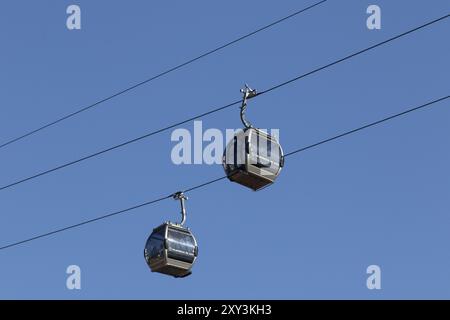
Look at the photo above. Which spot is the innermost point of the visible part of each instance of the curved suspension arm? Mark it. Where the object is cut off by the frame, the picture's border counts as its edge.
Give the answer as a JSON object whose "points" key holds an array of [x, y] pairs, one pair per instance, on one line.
{"points": [[248, 93], [180, 196]]}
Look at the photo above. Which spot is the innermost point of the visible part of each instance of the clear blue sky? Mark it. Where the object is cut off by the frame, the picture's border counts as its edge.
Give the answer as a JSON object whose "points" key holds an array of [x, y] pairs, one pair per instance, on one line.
{"points": [[377, 197]]}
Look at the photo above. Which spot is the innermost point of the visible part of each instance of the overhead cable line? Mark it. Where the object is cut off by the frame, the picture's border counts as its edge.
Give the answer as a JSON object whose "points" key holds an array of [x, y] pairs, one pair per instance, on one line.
{"points": [[341, 135], [297, 151], [68, 164], [354, 54], [219, 108], [85, 222], [170, 70]]}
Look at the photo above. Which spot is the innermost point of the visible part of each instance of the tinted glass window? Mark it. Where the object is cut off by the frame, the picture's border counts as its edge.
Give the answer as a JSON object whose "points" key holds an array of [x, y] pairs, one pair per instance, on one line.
{"points": [[181, 245], [181, 241], [155, 247]]}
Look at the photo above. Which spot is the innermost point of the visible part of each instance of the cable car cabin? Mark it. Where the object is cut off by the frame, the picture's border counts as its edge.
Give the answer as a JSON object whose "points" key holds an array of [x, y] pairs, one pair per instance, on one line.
{"points": [[253, 159], [171, 249]]}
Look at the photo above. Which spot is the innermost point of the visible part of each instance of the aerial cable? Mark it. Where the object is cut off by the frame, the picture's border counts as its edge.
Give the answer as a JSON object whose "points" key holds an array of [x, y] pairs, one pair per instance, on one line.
{"points": [[293, 152], [275, 87], [170, 70]]}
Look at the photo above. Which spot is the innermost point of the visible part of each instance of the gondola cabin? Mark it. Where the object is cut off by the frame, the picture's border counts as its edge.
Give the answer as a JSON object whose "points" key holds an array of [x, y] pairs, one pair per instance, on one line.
{"points": [[171, 249], [253, 158]]}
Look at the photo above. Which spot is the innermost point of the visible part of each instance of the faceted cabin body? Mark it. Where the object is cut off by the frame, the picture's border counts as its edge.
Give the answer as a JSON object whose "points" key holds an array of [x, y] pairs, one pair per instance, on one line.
{"points": [[253, 158], [171, 249]]}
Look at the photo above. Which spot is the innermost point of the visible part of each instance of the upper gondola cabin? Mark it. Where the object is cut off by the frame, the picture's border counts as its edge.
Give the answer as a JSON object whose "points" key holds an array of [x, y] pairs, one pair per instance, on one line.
{"points": [[253, 158]]}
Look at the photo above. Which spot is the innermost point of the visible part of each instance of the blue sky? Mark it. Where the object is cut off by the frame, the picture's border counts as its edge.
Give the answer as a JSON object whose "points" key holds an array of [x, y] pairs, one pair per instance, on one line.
{"points": [[377, 197]]}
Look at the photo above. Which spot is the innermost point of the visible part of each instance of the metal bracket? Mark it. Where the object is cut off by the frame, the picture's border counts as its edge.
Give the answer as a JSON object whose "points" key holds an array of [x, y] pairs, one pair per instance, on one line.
{"points": [[180, 196], [248, 94]]}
